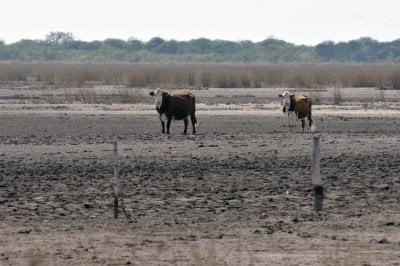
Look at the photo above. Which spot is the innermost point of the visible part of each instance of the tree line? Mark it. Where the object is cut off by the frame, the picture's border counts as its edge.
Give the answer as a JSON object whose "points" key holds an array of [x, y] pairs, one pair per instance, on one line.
{"points": [[62, 46]]}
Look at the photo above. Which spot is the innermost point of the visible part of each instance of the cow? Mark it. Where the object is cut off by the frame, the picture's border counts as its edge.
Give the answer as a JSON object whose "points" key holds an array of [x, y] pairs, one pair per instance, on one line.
{"points": [[297, 107], [177, 106]]}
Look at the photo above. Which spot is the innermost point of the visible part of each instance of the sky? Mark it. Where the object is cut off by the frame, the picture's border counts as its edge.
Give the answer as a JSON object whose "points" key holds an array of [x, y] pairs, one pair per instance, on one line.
{"points": [[306, 22]]}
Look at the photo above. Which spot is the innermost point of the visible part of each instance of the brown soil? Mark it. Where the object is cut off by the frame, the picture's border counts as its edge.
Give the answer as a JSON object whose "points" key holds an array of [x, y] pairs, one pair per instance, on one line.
{"points": [[237, 193]]}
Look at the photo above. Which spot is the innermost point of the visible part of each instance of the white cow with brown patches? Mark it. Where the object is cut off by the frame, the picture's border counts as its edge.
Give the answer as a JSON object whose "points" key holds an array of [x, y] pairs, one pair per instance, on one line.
{"points": [[297, 108]]}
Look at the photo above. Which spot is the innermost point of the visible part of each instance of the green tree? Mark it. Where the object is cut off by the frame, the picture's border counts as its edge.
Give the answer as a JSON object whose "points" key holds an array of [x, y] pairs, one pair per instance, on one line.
{"points": [[326, 50], [199, 46], [59, 37], [134, 44], [115, 43], [154, 43], [169, 47]]}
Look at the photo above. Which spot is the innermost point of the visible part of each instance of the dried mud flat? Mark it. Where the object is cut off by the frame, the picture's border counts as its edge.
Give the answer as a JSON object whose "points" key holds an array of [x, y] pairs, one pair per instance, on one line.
{"points": [[237, 193]]}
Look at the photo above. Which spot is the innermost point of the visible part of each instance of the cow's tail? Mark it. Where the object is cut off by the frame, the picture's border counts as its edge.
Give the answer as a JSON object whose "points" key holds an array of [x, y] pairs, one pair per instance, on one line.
{"points": [[313, 127], [194, 111], [195, 119]]}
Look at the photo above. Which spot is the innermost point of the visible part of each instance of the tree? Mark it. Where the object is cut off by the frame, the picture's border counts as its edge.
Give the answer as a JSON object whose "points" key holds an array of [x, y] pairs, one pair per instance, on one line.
{"points": [[59, 37], [154, 43], [199, 46], [115, 43], [273, 43], [224, 47], [81, 45], [326, 50], [169, 47], [61, 46], [134, 44]]}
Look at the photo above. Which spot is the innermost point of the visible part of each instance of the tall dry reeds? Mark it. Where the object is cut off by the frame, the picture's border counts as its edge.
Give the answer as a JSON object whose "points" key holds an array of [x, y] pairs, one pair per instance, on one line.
{"points": [[337, 96], [131, 96], [202, 75]]}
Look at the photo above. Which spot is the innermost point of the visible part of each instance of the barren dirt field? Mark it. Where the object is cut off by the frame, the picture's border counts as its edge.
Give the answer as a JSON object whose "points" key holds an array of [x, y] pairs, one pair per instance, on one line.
{"points": [[237, 193]]}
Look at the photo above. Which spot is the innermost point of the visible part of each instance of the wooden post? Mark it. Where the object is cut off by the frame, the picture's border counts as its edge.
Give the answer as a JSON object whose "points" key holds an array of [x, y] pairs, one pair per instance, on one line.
{"points": [[115, 181], [316, 175]]}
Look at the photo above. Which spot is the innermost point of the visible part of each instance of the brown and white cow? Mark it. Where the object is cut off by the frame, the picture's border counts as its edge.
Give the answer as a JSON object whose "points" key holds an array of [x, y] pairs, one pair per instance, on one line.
{"points": [[297, 107], [177, 106]]}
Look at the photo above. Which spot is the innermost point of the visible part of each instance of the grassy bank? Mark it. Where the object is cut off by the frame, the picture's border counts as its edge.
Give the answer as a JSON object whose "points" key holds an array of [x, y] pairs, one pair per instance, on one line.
{"points": [[202, 75]]}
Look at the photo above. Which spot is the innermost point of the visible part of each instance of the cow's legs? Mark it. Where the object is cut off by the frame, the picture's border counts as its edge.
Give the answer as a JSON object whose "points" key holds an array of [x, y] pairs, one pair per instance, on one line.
{"points": [[194, 122], [163, 127], [310, 122], [291, 122], [290, 126], [162, 118], [303, 123], [168, 123], [186, 121]]}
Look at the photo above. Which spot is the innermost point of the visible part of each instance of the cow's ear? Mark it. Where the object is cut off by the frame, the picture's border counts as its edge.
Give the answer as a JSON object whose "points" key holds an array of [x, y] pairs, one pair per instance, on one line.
{"points": [[151, 93], [280, 95], [291, 95]]}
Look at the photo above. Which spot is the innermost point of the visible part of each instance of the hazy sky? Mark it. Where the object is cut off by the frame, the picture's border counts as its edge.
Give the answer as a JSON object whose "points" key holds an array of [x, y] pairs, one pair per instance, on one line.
{"points": [[298, 21]]}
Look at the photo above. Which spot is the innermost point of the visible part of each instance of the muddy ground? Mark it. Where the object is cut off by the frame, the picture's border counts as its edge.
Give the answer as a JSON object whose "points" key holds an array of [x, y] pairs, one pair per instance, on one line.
{"points": [[237, 193]]}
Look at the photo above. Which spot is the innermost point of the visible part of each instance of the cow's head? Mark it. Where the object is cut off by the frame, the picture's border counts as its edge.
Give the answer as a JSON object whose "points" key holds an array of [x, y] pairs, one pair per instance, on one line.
{"points": [[286, 98], [157, 96]]}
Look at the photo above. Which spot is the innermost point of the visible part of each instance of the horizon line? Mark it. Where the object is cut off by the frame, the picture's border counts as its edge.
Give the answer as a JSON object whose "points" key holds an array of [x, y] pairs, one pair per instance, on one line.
{"points": [[191, 39]]}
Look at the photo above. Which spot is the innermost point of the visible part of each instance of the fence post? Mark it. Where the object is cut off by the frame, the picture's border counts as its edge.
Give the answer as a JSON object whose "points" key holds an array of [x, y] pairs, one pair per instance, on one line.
{"points": [[115, 181], [316, 175]]}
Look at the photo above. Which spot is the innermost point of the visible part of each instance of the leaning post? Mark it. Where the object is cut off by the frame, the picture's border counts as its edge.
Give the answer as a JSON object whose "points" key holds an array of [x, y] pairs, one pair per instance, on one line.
{"points": [[115, 181], [316, 175]]}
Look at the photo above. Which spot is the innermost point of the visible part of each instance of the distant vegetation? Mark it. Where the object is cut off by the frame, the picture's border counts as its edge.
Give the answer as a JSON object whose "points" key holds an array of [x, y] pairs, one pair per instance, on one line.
{"points": [[62, 61], [250, 75], [63, 47]]}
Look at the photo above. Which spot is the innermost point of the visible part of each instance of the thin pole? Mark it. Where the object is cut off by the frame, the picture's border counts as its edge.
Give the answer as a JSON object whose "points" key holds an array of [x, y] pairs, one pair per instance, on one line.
{"points": [[115, 181], [316, 175]]}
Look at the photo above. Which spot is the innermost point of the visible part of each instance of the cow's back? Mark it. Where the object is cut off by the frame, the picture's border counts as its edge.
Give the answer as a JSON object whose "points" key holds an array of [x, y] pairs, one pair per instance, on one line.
{"points": [[182, 104], [303, 106]]}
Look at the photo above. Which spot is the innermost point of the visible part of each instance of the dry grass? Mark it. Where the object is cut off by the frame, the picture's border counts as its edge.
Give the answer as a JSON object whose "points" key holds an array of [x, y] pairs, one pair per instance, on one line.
{"points": [[381, 96], [337, 96], [132, 96], [202, 75], [315, 96], [84, 95]]}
